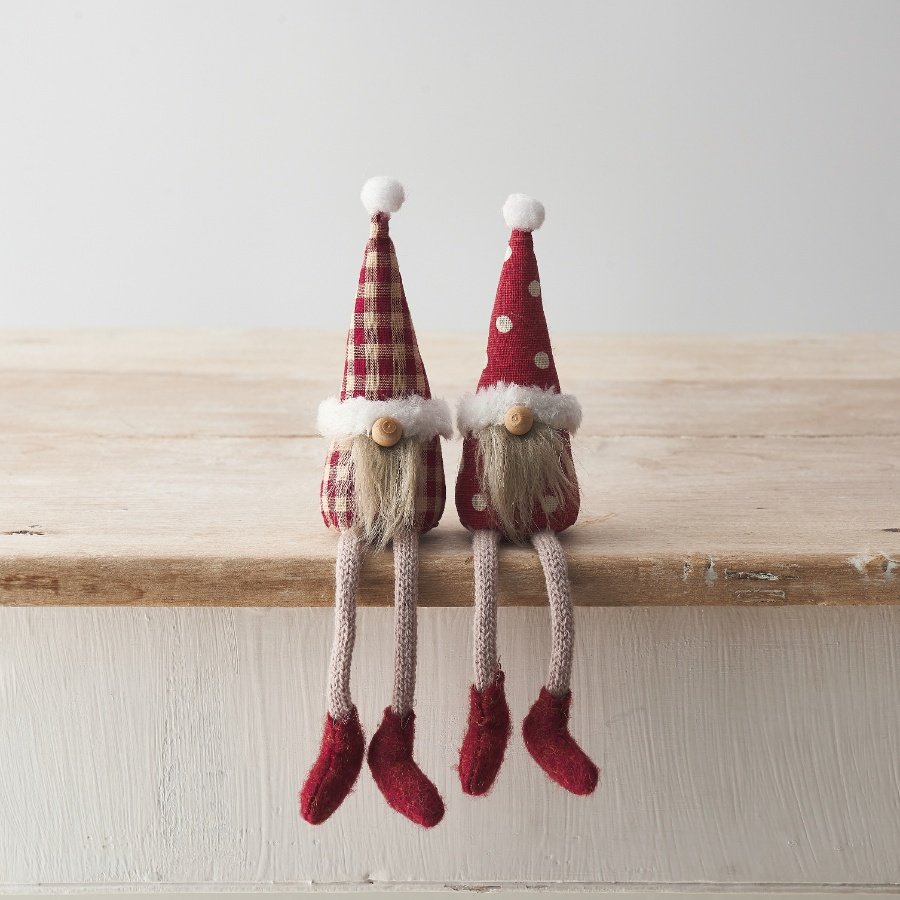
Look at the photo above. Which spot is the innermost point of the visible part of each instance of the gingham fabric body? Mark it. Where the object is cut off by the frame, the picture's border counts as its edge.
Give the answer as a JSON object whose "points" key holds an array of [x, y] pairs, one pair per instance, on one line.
{"points": [[337, 488], [382, 363], [518, 352]]}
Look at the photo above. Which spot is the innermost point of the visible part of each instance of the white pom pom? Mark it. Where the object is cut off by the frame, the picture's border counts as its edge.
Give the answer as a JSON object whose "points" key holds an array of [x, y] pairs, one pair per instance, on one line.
{"points": [[523, 213], [382, 194]]}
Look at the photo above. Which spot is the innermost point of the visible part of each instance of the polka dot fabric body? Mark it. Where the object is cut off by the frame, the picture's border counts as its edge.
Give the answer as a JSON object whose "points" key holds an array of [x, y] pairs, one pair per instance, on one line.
{"points": [[474, 506], [518, 352], [382, 363]]}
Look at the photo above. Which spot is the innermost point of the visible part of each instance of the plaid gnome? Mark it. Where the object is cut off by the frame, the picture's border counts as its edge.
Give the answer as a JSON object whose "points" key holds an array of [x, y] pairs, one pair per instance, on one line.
{"points": [[383, 483], [517, 481]]}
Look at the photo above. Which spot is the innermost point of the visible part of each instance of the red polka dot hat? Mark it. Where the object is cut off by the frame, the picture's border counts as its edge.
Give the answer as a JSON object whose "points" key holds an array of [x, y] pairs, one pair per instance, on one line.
{"points": [[520, 370]]}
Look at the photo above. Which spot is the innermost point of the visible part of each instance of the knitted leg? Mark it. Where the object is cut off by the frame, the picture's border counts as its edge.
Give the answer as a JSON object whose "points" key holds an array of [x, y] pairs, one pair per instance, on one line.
{"points": [[562, 620], [350, 551], [343, 744], [487, 734], [546, 727], [406, 590], [404, 785], [484, 552]]}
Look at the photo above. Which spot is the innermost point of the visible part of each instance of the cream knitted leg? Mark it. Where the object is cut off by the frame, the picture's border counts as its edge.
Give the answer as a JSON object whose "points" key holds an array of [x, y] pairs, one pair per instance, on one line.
{"points": [[349, 556], [406, 588], [484, 551], [562, 621]]}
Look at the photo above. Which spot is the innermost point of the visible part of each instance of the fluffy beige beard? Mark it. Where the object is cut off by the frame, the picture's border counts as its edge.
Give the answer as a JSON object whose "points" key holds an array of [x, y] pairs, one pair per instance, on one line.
{"points": [[386, 483], [518, 472]]}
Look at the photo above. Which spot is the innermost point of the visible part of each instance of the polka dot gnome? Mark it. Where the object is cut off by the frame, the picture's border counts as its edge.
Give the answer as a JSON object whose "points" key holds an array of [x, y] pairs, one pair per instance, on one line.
{"points": [[517, 481], [383, 483]]}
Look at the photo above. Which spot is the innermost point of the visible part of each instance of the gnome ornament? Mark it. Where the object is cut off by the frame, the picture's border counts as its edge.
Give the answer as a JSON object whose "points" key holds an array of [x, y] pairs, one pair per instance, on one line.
{"points": [[517, 481], [383, 483]]}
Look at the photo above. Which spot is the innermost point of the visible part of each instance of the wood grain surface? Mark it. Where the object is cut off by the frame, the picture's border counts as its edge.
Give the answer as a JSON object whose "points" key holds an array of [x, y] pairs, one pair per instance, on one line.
{"points": [[157, 468]]}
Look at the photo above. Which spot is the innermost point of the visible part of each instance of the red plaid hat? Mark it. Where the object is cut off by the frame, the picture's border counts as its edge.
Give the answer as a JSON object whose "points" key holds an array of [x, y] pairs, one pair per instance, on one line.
{"points": [[383, 358], [383, 370], [520, 368]]}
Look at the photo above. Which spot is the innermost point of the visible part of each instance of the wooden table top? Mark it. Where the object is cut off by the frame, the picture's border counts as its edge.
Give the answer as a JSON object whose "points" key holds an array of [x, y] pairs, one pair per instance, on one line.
{"points": [[149, 468]]}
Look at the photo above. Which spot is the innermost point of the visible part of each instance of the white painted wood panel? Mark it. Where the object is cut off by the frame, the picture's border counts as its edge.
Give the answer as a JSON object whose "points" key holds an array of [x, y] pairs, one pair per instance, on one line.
{"points": [[153, 746]]}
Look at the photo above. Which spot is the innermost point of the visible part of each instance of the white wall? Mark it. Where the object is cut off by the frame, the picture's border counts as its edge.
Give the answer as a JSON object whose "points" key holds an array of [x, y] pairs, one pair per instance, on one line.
{"points": [[705, 165]]}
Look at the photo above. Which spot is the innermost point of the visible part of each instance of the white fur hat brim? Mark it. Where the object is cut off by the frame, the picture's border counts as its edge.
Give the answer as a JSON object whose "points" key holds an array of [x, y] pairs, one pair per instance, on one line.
{"points": [[488, 405], [421, 418]]}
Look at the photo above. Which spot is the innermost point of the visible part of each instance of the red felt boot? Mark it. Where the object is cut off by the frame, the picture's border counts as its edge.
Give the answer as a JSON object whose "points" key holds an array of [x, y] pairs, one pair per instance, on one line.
{"points": [[404, 785], [546, 733], [484, 745], [335, 770]]}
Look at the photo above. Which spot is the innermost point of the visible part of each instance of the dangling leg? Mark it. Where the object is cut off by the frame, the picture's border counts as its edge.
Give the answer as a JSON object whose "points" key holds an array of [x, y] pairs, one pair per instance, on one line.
{"points": [[546, 727], [405, 787], [343, 744], [484, 745], [406, 592]]}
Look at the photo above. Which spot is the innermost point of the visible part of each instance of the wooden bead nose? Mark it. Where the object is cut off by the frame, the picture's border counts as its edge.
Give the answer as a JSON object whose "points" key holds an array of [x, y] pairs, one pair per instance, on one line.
{"points": [[518, 420], [386, 431]]}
